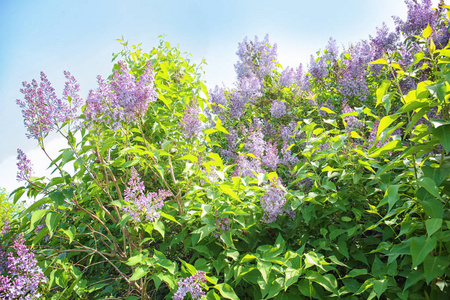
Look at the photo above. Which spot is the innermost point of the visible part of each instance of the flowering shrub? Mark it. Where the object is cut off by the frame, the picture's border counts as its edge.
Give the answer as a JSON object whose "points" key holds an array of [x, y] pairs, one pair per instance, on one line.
{"points": [[288, 185]]}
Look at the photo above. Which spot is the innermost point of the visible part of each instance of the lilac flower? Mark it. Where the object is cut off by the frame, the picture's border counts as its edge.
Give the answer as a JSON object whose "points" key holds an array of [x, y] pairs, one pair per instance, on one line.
{"points": [[287, 132], [21, 275], [147, 205], [124, 99], [39, 107], [218, 97], [317, 68], [327, 105], [420, 14], [245, 166], [351, 121], [222, 225], [332, 51], [193, 285], [287, 77], [273, 203], [384, 41], [287, 158], [5, 229], [191, 123], [278, 109], [271, 159], [255, 142], [230, 153], [70, 93], [302, 80], [258, 58], [24, 166]]}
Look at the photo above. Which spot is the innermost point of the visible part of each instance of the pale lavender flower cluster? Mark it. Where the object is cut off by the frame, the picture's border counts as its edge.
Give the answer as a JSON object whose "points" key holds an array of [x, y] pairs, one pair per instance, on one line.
{"points": [[278, 109], [302, 80], [218, 97], [232, 138], [248, 89], [420, 14], [190, 122], [257, 57], [384, 40], [193, 285], [123, 99], [273, 203], [271, 159], [287, 77], [288, 158], [328, 105], [222, 225], [352, 121], [24, 166], [148, 205], [317, 68], [21, 277], [42, 109], [332, 51]]}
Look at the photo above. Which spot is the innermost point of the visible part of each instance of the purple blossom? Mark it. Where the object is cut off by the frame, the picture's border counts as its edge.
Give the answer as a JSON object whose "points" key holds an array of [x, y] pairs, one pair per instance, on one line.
{"points": [[351, 121], [420, 14], [273, 203], [143, 204], [302, 80], [256, 57], [327, 105], [248, 89], [255, 142], [123, 99], [287, 158], [246, 166], [287, 77], [278, 109], [191, 123], [21, 276], [317, 68], [222, 225], [332, 51], [287, 131], [24, 166], [232, 138], [42, 109], [193, 285], [218, 98], [271, 159], [5, 229]]}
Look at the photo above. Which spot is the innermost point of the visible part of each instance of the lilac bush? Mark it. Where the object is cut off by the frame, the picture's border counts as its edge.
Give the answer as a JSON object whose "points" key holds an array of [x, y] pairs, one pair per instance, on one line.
{"points": [[273, 202]]}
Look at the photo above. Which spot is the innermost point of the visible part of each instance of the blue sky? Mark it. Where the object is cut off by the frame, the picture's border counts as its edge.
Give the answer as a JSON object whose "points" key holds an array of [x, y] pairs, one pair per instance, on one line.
{"points": [[80, 37]]}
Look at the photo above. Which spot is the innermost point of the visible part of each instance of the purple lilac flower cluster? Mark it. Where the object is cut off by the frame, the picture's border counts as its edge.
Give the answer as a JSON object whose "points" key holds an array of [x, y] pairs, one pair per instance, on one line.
{"points": [[420, 14], [273, 202], [149, 204], [190, 122], [248, 89], [351, 121], [222, 225], [287, 77], [24, 166], [271, 159], [302, 80], [123, 99], [218, 97], [20, 276], [278, 109], [256, 57], [193, 285], [42, 109]]}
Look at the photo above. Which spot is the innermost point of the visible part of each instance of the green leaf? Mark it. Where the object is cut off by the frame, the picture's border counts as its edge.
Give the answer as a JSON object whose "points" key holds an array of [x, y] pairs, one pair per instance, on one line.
{"points": [[433, 225], [169, 217], [326, 109], [430, 186], [70, 233], [391, 196], [380, 286], [381, 61], [140, 272], [381, 91], [227, 238], [226, 291], [413, 277], [159, 226], [443, 134], [420, 247], [35, 205], [391, 146], [52, 221], [427, 31], [435, 266], [328, 281], [36, 217], [189, 157]]}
